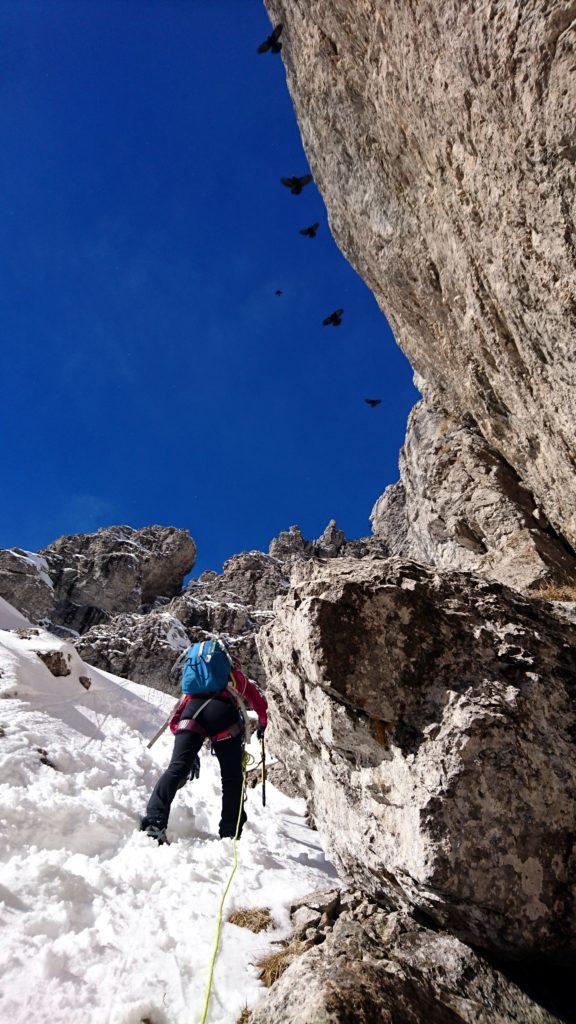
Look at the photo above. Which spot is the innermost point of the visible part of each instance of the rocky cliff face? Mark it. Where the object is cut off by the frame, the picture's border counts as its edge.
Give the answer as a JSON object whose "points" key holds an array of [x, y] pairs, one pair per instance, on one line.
{"points": [[117, 569], [85, 578], [460, 505], [112, 593], [429, 717], [442, 139], [352, 960]]}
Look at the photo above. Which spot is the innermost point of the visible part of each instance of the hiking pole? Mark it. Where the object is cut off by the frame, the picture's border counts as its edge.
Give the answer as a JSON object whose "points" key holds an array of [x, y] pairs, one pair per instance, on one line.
{"points": [[263, 770]]}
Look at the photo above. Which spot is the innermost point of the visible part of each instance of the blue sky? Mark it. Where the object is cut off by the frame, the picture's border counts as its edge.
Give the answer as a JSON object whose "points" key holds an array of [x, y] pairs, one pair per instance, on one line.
{"points": [[151, 375]]}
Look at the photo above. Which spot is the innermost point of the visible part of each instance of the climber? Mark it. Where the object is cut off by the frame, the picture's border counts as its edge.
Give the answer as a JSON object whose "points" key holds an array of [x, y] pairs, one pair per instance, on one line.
{"points": [[214, 689]]}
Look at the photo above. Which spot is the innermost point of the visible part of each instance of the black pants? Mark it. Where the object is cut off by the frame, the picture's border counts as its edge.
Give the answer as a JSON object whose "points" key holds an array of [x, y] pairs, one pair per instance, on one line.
{"points": [[216, 717]]}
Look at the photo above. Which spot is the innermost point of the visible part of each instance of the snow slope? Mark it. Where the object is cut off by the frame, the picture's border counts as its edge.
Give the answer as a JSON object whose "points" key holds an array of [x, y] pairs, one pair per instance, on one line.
{"points": [[98, 923]]}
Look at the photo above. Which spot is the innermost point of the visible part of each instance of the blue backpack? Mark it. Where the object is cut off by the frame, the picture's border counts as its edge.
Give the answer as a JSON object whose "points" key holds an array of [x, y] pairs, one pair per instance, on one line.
{"points": [[206, 668]]}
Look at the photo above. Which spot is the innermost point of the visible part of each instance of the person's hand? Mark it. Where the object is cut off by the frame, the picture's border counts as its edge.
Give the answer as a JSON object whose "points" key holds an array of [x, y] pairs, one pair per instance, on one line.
{"points": [[260, 732]]}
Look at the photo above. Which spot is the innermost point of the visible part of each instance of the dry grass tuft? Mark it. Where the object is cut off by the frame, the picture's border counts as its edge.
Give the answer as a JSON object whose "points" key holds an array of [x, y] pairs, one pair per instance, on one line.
{"points": [[244, 1017], [257, 919], [560, 592], [271, 967]]}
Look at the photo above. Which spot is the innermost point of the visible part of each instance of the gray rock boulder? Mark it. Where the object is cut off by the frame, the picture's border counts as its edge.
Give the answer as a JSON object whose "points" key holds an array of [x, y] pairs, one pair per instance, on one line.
{"points": [[378, 967], [429, 717], [459, 505], [442, 139]]}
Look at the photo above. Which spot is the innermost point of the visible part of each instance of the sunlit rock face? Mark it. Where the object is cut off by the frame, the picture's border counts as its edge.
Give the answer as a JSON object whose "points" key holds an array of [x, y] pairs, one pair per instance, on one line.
{"points": [[441, 136], [429, 718], [380, 968], [460, 505], [118, 569]]}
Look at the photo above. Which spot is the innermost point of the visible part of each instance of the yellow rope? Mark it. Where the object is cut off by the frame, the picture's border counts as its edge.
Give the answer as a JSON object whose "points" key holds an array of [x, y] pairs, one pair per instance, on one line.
{"points": [[247, 759]]}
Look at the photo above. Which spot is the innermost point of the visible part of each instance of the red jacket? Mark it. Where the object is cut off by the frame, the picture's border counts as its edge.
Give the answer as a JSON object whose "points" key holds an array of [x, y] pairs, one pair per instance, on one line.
{"points": [[239, 684]]}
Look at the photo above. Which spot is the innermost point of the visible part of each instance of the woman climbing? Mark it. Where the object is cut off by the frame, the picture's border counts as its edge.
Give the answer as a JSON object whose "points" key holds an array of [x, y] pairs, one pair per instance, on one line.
{"points": [[213, 688]]}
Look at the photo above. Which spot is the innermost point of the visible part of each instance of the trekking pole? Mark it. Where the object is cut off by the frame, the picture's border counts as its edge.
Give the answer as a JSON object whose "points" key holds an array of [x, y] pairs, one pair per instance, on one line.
{"points": [[163, 727], [263, 771]]}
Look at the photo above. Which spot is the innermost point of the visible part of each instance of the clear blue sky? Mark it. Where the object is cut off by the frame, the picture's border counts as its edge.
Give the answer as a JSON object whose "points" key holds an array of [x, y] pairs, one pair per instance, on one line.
{"points": [[150, 374]]}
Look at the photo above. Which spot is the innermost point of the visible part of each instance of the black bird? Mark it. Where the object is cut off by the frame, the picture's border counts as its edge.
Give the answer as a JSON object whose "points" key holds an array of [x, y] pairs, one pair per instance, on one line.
{"points": [[335, 318], [278, 292], [311, 231], [271, 42], [373, 402], [296, 184]]}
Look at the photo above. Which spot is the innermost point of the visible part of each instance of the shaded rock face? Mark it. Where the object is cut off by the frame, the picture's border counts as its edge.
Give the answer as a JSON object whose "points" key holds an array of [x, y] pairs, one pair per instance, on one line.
{"points": [[359, 963], [429, 717], [117, 569], [442, 139], [25, 583], [460, 505]]}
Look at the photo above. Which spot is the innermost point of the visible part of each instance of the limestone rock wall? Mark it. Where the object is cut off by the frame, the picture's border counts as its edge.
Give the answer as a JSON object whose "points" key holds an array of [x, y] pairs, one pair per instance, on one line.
{"points": [[442, 139], [460, 505], [365, 964], [429, 718]]}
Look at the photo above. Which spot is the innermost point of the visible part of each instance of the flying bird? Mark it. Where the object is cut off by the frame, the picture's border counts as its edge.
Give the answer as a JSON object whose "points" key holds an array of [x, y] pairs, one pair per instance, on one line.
{"points": [[373, 402], [278, 292], [271, 42], [311, 231], [296, 184], [335, 318]]}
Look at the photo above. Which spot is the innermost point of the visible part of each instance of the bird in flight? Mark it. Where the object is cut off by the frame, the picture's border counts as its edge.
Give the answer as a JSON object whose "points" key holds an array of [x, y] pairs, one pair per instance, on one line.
{"points": [[335, 318], [373, 402], [272, 41], [310, 232], [278, 292], [296, 184]]}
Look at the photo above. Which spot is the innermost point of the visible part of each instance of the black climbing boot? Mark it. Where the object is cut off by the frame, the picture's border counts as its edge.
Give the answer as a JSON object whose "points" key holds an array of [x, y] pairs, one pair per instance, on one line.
{"points": [[157, 832]]}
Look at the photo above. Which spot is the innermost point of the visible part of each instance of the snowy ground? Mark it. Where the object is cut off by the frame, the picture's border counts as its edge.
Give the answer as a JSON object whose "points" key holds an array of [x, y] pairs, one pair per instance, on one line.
{"points": [[99, 924]]}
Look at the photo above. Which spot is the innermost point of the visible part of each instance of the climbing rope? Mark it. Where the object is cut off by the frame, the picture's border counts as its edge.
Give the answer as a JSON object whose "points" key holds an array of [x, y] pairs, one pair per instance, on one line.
{"points": [[247, 760]]}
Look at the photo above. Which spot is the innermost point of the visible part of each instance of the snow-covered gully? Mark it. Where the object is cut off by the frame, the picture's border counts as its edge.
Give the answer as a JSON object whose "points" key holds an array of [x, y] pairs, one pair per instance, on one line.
{"points": [[99, 924]]}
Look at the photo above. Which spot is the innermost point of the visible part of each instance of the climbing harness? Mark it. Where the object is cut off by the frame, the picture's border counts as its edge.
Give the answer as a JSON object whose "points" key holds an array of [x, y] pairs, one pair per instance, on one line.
{"points": [[247, 760]]}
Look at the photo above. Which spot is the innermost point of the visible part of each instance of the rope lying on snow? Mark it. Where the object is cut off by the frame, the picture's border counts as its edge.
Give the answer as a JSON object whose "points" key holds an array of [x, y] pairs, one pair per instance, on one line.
{"points": [[247, 761]]}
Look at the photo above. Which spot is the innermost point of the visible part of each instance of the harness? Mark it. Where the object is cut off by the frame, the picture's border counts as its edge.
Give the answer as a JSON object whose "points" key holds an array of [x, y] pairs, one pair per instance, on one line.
{"points": [[191, 725]]}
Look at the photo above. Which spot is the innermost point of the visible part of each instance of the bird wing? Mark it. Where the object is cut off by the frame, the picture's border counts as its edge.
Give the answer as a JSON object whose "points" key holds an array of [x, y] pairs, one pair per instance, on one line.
{"points": [[305, 180], [304, 231], [289, 182], [277, 33], [328, 320], [337, 312], [264, 46], [315, 227]]}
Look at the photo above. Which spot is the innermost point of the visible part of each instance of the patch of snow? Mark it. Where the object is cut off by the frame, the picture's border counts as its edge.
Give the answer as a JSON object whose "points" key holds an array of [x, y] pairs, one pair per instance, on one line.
{"points": [[99, 924], [11, 618], [39, 563]]}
